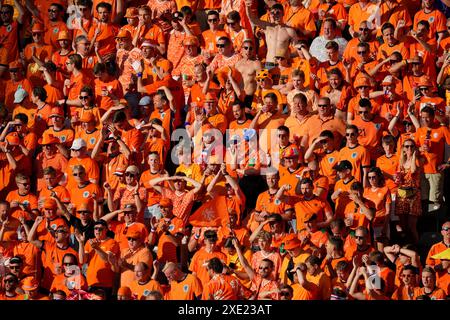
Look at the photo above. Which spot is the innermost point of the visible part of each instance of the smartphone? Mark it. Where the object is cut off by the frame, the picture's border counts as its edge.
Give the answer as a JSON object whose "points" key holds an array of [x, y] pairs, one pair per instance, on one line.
{"points": [[417, 92]]}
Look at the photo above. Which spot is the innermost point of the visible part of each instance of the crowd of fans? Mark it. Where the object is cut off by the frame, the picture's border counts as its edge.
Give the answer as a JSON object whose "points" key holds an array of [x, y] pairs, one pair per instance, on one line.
{"points": [[223, 150]]}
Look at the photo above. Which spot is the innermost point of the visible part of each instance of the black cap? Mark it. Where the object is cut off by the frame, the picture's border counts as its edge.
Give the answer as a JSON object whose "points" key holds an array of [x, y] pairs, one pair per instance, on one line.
{"points": [[15, 260], [101, 222], [177, 15], [211, 234], [130, 207], [343, 165]]}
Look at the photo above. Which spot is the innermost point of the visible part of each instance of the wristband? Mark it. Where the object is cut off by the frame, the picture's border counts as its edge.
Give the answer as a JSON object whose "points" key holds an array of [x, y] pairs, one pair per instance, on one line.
{"points": [[139, 74], [152, 230], [196, 237]]}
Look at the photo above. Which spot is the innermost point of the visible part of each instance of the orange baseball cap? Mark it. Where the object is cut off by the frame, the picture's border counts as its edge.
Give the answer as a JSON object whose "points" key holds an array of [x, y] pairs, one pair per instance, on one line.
{"points": [[291, 242], [13, 138], [292, 151], [30, 284], [191, 41], [362, 82], [50, 203], [210, 97], [124, 34], [48, 139], [124, 291], [87, 117], [132, 12], [133, 233], [63, 35], [85, 206], [57, 112], [15, 64], [165, 202], [425, 81], [37, 27]]}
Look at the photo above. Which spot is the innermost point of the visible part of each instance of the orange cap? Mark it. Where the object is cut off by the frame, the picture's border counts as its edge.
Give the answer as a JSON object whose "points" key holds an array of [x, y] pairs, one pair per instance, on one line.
{"points": [[191, 41], [165, 202], [57, 112], [48, 139], [13, 139], [133, 233], [124, 34], [124, 291], [87, 117], [132, 12], [362, 82], [291, 242], [425, 81], [15, 64], [37, 27], [30, 284], [85, 206], [63, 35], [210, 96], [50, 203]]}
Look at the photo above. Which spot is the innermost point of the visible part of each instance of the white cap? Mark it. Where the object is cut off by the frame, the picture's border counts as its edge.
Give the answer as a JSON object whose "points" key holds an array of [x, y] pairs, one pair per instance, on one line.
{"points": [[20, 95], [78, 144]]}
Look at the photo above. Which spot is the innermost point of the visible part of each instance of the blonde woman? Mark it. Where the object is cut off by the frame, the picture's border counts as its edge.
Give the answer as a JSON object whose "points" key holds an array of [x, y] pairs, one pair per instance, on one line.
{"points": [[408, 205]]}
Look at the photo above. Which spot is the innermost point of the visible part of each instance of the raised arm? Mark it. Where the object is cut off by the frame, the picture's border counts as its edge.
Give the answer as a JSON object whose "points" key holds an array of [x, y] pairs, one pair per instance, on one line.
{"points": [[247, 267], [32, 235], [253, 18]]}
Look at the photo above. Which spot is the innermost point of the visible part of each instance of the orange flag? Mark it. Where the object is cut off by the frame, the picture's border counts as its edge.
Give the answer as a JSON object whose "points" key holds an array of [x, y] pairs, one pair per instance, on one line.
{"points": [[213, 213]]}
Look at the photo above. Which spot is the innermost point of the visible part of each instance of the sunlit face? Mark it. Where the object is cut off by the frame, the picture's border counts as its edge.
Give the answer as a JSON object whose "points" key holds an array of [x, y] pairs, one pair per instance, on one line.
{"points": [[103, 14], [334, 80], [265, 269], [408, 277], [83, 47], [426, 118], [388, 36], [428, 279], [306, 189], [272, 180], [351, 135], [332, 54], [144, 17]]}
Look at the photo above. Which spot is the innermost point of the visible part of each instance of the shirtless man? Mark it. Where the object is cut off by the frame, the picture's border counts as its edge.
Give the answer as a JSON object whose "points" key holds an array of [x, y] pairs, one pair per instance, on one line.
{"points": [[248, 66], [278, 35]]}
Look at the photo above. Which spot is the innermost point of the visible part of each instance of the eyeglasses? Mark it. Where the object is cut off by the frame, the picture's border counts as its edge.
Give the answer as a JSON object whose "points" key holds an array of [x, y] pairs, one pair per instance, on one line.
{"points": [[285, 293], [213, 20], [10, 280], [14, 267], [323, 105], [24, 183], [231, 23], [264, 268], [362, 52], [408, 146], [60, 231], [84, 97], [247, 48], [423, 89], [220, 45], [359, 238], [99, 228], [129, 174], [13, 70], [445, 228], [52, 10], [363, 112], [83, 212], [350, 134], [78, 174]]}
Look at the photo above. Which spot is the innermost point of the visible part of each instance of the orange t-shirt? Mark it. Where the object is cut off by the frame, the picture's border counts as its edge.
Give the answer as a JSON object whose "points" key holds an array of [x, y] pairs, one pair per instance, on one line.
{"points": [[435, 156], [141, 255], [198, 263], [106, 38], [186, 289], [99, 272], [141, 291]]}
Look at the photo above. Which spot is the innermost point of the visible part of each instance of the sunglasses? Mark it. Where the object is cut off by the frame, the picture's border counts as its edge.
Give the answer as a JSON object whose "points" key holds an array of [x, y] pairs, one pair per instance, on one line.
{"points": [[78, 174], [14, 267], [247, 48], [280, 58], [99, 228], [52, 10], [60, 231], [350, 134], [213, 20], [361, 52], [323, 105], [359, 238], [423, 89], [372, 177], [230, 23], [84, 97], [128, 174], [13, 70], [445, 228], [363, 112], [68, 263], [10, 281], [408, 146], [284, 294], [220, 45], [83, 212]]}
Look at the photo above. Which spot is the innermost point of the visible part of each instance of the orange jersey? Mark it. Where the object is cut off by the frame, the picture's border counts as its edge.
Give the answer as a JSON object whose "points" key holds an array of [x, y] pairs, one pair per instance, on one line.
{"points": [[99, 272], [370, 134], [141, 291], [186, 289], [358, 156], [315, 205], [198, 263], [389, 167], [106, 38], [435, 156], [222, 287]]}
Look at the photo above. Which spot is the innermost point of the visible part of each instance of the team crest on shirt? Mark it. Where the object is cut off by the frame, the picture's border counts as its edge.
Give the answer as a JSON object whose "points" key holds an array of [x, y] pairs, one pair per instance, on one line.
{"points": [[53, 226], [435, 135], [26, 203], [92, 140], [163, 114], [70, 285], [431, 19], [9, 28], [146, 292], [90, 60], [186, 288], [85, 194], [354, 154], [330, 160], [55, 30], [277, 202], [171, 227], [378, 126], [62, 138]]}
